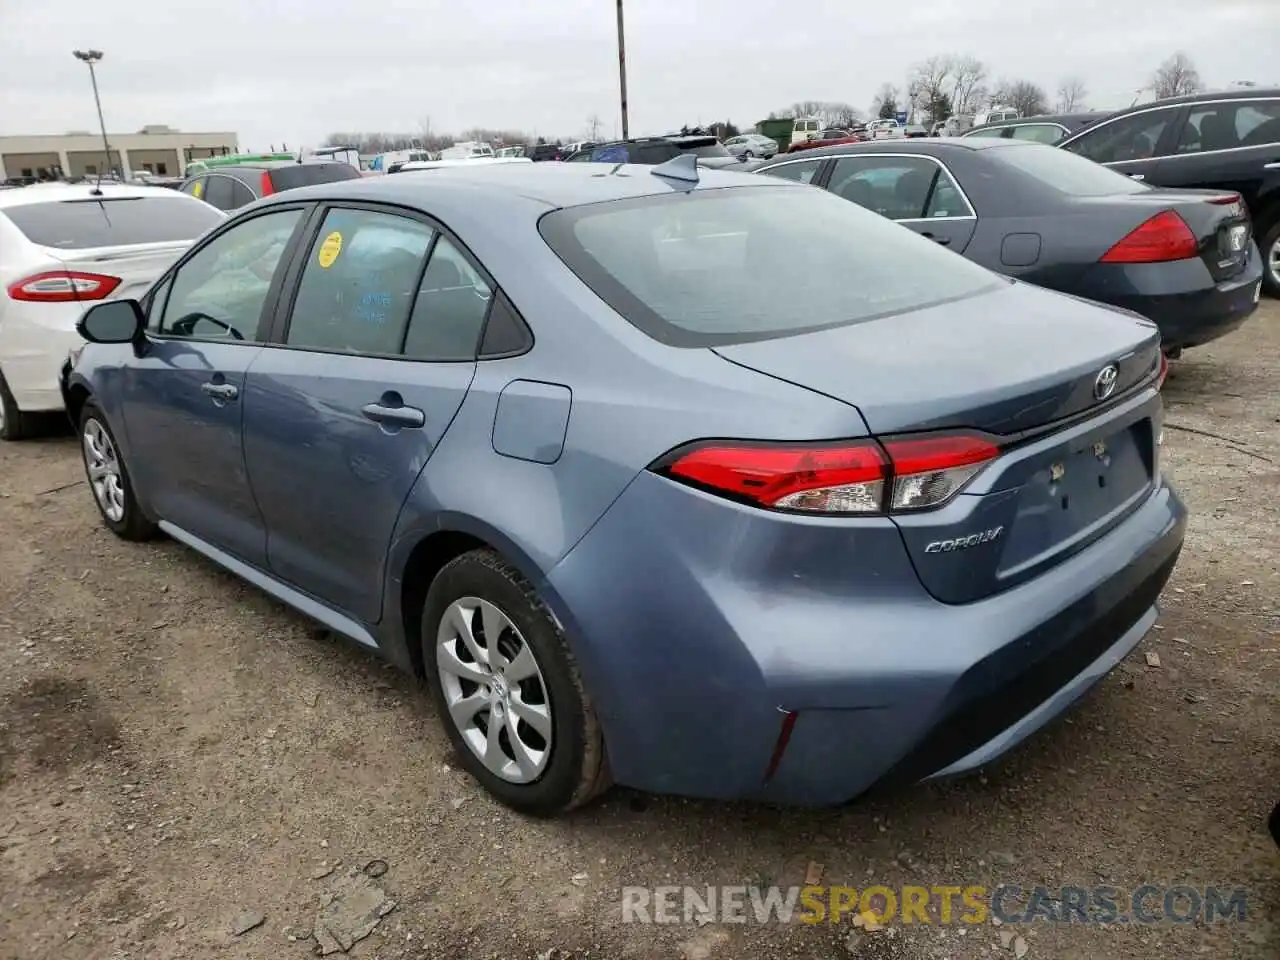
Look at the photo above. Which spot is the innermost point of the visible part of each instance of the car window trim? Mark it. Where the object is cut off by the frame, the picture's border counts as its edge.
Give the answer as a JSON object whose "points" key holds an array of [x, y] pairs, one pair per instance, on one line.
{"points": [[973, 211], [1180, 112], [1186, 118], [273, 291], [278, 329]]}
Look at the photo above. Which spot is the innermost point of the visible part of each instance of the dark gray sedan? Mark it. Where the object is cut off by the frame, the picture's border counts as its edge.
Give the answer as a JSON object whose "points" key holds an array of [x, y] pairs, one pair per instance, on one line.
{"points": [[1185, 259]]}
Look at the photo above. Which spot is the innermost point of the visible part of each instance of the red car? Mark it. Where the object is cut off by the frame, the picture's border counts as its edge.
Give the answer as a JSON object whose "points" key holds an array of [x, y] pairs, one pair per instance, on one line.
{"points": [[827, 138]]}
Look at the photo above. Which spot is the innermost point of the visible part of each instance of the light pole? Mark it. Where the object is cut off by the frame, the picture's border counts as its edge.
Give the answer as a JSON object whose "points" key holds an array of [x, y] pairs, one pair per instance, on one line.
{"points": [[92, 57], [622, 72]]}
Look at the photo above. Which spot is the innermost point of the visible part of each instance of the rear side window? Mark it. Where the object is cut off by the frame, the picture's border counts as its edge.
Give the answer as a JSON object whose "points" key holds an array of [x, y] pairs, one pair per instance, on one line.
{"points": [[1067, 173], [1039, 132], [112, 221], [801, 171], [723, 266], [1134, 137], [305, 174]]}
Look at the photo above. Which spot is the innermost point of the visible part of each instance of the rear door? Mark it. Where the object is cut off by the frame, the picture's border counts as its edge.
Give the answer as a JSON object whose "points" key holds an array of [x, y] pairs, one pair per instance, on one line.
{"points": [[1227, 145], [1133, 144], [367, 368], [183, 397], [916, 191]]}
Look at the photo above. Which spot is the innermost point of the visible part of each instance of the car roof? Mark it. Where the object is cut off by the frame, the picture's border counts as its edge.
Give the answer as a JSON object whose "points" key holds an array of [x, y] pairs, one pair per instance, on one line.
{"points": [[59, 192], [1244, 93], [926, 145], [470, 192], [1073, 120]]}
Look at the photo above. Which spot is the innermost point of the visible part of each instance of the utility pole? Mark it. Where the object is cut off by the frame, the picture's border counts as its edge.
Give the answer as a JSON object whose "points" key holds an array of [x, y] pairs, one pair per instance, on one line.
{"points": [[622, 72], [92, 57]]}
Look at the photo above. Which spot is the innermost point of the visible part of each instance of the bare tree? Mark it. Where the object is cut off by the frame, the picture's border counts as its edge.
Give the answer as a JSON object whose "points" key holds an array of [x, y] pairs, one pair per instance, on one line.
{"points": [[593, 127], [1176, 77], [1071, 94], [1023, 95], [927, 88], [967, 91], [885, 104], [842, 115]]}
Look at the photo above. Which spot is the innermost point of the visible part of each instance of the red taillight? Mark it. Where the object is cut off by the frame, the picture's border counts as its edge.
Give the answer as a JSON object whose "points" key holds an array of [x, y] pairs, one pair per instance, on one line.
{"points": [[1164, 237], [1227, 200], [267, 189], [1164, 370], [859, 477], [63, 286]]}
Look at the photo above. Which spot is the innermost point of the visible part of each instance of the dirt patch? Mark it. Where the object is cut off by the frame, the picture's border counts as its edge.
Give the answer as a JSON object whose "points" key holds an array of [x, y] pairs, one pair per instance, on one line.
{"points": [[54, 722]]}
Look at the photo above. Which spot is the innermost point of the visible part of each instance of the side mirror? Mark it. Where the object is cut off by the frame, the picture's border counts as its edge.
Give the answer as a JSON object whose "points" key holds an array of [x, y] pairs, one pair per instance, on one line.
{"points": [[116, 321]]}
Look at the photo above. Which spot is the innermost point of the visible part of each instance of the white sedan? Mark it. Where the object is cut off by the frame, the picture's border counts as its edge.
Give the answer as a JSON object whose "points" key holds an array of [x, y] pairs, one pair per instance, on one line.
{"points": [[63, 247]]}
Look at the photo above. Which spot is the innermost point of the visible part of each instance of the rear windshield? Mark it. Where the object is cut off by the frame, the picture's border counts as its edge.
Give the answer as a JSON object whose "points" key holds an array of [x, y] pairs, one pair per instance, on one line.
{"points": [[752, 263], [1066, 172], [113, 221], [305, 174]]}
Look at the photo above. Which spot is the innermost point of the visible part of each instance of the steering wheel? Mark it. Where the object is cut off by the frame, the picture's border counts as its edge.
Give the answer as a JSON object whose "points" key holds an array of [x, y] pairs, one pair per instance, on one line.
{"points": [[185, 326]]}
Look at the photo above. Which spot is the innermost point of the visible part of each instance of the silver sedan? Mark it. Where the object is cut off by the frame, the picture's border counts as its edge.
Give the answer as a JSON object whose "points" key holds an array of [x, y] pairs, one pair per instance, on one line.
{"points": [[752, 145]]}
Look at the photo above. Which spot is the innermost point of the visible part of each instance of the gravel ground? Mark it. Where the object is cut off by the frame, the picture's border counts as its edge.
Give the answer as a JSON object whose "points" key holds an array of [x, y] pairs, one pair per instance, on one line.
{"points": [[182, 758]]}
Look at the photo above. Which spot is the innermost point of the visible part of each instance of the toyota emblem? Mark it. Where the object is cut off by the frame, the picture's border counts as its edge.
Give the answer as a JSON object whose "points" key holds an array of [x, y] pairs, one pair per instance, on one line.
{"points": [[1104, 384]]}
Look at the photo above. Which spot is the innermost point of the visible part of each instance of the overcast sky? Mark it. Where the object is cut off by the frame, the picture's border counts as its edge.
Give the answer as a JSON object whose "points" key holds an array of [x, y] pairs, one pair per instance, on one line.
{"points": [[277, 71]]}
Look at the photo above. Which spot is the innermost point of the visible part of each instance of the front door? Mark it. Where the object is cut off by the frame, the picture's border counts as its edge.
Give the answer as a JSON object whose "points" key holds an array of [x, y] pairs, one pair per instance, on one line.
{"points": [[916, 191], [183, 400], [1227, 145], [344, 412]]}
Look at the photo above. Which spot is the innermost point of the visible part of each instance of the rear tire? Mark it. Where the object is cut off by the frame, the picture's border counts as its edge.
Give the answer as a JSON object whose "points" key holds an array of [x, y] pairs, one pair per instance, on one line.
{"points": [[524, 671], [108, 478], [748, 154], [14, 424], [1270, 249]]}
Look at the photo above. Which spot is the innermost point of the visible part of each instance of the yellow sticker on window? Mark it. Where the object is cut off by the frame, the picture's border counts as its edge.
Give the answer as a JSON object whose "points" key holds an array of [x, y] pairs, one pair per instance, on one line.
{"points": [[197, 189], [329, 250]]}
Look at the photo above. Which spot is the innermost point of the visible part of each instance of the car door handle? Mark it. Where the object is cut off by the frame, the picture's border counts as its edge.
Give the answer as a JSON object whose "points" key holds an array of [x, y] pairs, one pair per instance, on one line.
{"points": [[394, 416], [220, 391], [940, 241], [1137, 176]]}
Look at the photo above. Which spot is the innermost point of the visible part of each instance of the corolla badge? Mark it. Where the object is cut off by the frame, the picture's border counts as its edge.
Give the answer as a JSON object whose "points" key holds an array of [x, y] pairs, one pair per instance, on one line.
{"points": [[1104, 384], [964, 543]]}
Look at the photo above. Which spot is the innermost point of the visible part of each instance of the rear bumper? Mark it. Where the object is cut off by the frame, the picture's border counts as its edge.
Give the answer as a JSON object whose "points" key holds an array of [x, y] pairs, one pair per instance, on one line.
{"points": [[1181, 297], [30, 357], [720, 630]]}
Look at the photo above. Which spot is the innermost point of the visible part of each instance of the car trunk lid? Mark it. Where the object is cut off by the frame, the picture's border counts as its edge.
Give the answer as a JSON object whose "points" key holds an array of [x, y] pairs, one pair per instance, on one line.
{"points": [[137, 265], [1058, 383]]}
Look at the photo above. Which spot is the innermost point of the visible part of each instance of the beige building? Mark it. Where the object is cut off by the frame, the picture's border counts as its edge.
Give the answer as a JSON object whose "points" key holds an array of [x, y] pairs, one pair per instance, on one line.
{"points": [[156, 149]]}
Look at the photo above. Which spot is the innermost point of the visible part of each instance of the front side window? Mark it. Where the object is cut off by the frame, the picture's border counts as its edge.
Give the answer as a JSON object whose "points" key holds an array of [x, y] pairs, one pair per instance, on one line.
{"points": [[1130, 138], [723, 266], [992, 133], [220, 292], [1227, 126], [359, 283], [802, 171]]}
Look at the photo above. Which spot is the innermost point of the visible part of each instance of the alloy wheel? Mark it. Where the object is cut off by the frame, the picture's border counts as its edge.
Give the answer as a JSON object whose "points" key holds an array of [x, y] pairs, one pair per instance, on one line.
{"points": [[1273, 261], [103, 466], [494, 690]]}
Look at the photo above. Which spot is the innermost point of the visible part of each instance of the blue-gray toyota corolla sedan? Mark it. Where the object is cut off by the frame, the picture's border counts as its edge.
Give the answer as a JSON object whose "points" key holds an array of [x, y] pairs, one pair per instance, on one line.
{"points": [[693, 481]]}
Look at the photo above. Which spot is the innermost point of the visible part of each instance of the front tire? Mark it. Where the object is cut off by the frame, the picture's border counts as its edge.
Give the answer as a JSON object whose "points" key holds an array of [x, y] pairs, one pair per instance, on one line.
{"points": [[750, 155], [508, 690], [109, 478]]}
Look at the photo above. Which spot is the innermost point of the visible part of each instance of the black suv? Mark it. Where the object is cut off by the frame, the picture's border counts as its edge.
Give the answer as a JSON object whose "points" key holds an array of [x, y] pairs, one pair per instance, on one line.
{"points": [[232, 187], [544, 151], [1222, 141], [653, 150]]}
